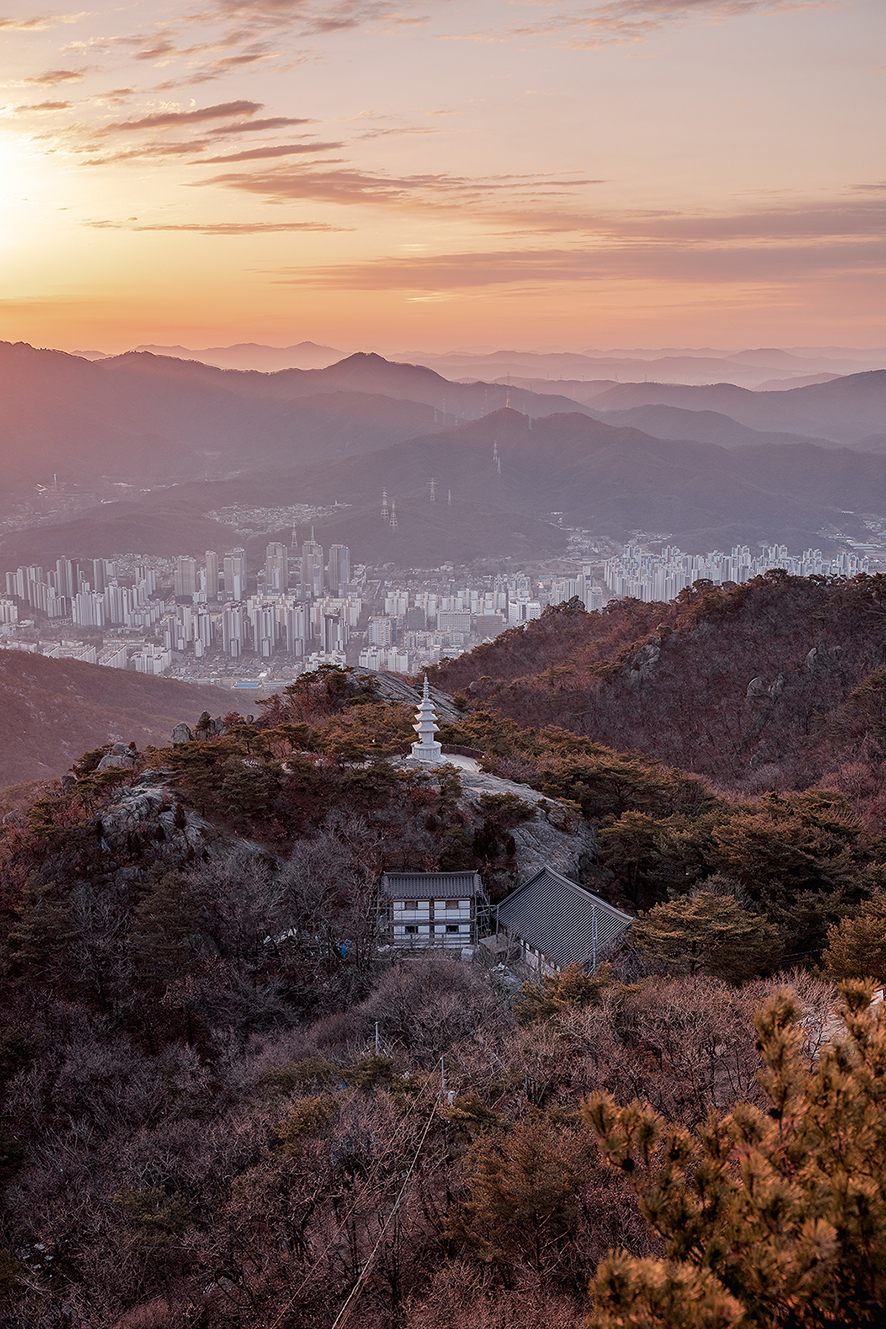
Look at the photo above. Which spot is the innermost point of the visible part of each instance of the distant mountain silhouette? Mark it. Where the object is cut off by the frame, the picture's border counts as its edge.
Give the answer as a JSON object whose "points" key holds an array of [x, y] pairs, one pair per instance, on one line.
{"points": [[749, 369], [141, 417], [55, 710], [163, 524], [703, 426], [607, 478], [151, 418], [847, 409], [251, 355], [615, 479]]}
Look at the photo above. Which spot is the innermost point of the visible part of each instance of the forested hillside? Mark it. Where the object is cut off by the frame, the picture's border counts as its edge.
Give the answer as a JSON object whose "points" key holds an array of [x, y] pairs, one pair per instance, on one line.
{"points": [[224, 1106], [777, 684]]}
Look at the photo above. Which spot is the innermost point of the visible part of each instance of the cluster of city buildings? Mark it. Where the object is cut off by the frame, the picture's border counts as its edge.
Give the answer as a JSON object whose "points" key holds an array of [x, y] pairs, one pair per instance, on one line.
{"points": [[214, 619], [421, 625], [149, 611], [651, 577]]}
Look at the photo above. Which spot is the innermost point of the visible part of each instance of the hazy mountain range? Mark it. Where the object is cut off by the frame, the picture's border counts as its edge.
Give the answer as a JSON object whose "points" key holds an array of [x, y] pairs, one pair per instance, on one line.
{"points": [[707, 465], [759, 368]]}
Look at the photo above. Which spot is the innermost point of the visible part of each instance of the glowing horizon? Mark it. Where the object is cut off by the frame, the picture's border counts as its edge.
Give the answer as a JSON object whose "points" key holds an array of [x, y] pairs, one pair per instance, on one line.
{"points": [[507, 173]]}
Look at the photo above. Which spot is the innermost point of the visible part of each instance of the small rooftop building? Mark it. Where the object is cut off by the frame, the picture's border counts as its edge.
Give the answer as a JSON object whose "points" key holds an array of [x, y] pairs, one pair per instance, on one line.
{"points": [[552, 922], [419, 910]]}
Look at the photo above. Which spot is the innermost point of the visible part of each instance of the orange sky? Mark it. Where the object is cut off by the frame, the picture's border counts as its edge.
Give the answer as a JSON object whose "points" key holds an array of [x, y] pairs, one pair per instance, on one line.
{"points": [[521, 173]]}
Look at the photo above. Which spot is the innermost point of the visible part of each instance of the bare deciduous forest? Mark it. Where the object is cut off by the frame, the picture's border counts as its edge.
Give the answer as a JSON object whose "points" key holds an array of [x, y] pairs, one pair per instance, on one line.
{"points": [[222, 1106]]}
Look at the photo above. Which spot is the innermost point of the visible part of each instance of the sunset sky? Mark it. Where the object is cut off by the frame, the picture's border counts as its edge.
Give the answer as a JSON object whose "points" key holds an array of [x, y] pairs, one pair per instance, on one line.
{"points": [[444, 174]]}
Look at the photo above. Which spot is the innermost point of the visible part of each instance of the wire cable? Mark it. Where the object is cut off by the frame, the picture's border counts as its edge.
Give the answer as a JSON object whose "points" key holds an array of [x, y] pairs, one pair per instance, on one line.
{"points": [[341, 1318]]}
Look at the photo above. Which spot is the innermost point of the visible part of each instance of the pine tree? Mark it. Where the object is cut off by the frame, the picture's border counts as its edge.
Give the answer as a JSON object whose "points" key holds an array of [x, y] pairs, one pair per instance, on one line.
{"points": [[707, 933], [767, 1218], [857, 945]]}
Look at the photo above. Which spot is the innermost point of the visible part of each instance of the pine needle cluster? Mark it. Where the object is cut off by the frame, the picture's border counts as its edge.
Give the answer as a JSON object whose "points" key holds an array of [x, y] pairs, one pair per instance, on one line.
{"points": [[768, 1218]]}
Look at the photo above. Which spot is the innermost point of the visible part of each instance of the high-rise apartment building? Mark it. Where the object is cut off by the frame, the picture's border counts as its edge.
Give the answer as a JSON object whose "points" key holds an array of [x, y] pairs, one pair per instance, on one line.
{"points": [[234, 631], [202, 632], [67, 581], [381, 631], [338, 572], [296, 629], [88, 609], [312, 568], [184, 576], [276, 567], [211, 574], [235, 574]]}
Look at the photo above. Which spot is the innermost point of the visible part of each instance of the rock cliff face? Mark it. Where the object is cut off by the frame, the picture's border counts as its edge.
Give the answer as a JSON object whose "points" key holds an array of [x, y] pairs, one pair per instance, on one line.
{"points": [[392, 688], [542, 843], [146, 821], [120, 757], [552, 838]]}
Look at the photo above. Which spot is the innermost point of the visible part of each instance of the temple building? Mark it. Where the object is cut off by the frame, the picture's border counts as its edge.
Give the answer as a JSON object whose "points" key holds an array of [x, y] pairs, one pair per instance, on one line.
{"points": [[550, 922], [420, 910]]}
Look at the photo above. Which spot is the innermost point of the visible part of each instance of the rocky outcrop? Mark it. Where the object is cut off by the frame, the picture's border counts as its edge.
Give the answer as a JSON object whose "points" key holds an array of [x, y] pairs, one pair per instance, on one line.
{"points": [[569, 848], [120, 757], [391, 688], [821, 656], [760, 690], [145, 817], [205, 727], [554, 837], [645, 661]]}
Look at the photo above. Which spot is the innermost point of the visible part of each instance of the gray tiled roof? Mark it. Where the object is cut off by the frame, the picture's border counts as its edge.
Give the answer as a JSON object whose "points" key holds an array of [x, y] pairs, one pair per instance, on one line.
{"points": [[431, 885], [556, 916]]}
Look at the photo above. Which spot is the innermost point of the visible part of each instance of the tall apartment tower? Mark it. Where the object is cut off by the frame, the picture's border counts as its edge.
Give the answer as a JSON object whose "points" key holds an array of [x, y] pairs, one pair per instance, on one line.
{"points": [[264, 628], [184, 576], [233, 632], [312, 568], [211, 575], [67, 579], [235, 574], [297, 629], [276, 567], [338, 572]]}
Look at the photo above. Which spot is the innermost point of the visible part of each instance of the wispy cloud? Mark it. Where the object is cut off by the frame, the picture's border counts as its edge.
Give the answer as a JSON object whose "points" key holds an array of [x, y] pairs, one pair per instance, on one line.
{"points": [[51, 79], [313, 17], [41, 106], [213, 228], [164, 148], [769, 247], [631, 20], [261, 126], [526, 270], [40, 23], [348, 184], [169, 119], [280, 150]]}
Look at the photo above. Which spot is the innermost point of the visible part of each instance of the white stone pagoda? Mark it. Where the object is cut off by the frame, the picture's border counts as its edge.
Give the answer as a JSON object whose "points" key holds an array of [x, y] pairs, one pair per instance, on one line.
{"points": [[427, 748]]}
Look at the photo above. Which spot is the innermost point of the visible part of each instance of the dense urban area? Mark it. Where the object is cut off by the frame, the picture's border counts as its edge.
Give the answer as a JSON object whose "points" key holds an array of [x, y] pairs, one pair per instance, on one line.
{"points": [[216, 620]]}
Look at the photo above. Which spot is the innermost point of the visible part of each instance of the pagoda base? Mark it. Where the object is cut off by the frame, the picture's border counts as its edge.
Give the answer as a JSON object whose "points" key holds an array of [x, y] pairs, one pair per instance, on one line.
{"points": [[427, 752]]}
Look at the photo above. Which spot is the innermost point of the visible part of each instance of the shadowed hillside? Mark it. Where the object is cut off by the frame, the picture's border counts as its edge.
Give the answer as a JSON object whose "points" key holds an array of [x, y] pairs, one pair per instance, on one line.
{"points": [[51, 711], [849, 409], [776, 684]]}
